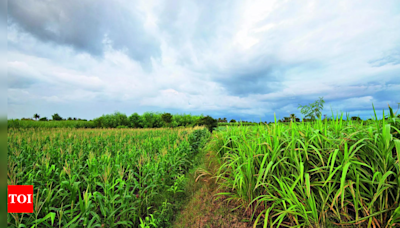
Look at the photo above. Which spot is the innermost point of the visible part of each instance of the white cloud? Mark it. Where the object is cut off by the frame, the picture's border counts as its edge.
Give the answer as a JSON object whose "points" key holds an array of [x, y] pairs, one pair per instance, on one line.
{"points": [[232, 58]]}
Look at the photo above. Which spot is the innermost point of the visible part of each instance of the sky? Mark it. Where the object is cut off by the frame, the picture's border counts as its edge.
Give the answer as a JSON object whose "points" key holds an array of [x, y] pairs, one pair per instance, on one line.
{"points": [[235, 59]]}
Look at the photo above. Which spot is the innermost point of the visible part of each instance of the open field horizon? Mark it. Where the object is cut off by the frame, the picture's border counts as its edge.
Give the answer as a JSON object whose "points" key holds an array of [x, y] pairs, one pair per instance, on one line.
{"points": [[228, 113]]}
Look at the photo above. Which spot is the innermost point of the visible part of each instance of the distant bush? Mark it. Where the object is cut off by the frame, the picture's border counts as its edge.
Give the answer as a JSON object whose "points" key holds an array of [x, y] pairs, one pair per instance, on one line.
{"points": [[43, 119], [112, 120], [167, 118], [147, 120], [209, 122], [57, 117]]}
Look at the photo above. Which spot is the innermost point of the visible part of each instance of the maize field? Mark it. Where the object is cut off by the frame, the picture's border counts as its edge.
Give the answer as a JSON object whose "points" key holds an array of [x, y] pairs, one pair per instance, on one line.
{"points": [[101, 177]]}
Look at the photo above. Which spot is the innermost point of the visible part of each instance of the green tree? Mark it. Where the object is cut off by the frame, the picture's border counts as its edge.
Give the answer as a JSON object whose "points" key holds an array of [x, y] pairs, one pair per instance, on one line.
{"points": [[167, 118], [209, 122], [312, 110], [232, 121], [135, 121], [56, 117], [293, 117], [356, 118], [36, 116]]}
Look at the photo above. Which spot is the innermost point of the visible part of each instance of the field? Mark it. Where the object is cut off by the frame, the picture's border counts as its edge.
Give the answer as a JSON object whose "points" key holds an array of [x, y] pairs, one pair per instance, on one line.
{"points": [[101, 178], [316, 174], [50, 124], [308, 174]]}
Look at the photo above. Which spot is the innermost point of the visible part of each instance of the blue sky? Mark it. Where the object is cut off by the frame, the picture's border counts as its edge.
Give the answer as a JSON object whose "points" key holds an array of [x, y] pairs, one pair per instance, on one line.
{"points": [[236, 59]]}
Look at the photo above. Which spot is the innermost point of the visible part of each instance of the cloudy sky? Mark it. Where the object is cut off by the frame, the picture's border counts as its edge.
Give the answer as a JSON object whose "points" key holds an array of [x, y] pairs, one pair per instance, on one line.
{"points": [[235, 59]]}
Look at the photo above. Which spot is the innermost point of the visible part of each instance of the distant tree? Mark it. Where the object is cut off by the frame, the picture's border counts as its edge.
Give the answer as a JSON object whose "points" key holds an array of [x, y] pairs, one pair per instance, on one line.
{"points": [[209, 122], [232, 121], [356, 118], [167, 118], [36, 116], [69, 118], [56, 117], [136, 121], [225, 120], [313, 110], [43, 119], [292, 117], [74, 118]]}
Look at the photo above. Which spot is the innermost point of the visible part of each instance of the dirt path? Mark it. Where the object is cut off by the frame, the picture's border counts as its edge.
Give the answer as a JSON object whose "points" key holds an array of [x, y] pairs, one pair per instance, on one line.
{"points": [[204, 209]]}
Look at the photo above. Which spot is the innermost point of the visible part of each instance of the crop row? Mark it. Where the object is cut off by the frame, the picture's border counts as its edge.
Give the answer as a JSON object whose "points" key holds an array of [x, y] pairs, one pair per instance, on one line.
{"points": [[313, 174], [97, 177]]}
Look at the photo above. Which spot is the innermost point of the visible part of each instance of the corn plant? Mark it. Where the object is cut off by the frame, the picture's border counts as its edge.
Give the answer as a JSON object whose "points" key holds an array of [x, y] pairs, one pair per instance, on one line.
{"points": [[100, 177]]}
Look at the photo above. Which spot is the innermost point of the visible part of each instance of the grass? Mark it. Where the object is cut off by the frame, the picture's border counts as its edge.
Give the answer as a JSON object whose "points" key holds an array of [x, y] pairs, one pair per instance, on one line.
{"points": [[102, 177], [313, 174]]}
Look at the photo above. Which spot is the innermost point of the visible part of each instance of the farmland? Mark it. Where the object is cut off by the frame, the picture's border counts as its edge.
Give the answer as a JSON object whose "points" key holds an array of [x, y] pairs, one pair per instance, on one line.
{"points": [[101, 177], [322, 173], [318, 174]]}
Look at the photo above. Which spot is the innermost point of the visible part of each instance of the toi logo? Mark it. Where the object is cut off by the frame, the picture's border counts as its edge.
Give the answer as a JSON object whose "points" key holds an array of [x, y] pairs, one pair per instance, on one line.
{"points": [[20, 199]]}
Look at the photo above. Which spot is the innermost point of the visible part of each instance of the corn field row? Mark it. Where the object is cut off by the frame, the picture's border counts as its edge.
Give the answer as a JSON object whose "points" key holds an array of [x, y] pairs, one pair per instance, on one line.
{"points": [[101, 177]]}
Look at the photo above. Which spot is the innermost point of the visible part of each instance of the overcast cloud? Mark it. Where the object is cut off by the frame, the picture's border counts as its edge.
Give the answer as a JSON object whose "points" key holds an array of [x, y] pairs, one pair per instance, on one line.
{"points": [[235, 59]]}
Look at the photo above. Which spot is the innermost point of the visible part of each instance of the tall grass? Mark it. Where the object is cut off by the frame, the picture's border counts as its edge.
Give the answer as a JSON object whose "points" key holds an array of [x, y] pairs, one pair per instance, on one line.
{"points": [[101, 177], [313, 174]]}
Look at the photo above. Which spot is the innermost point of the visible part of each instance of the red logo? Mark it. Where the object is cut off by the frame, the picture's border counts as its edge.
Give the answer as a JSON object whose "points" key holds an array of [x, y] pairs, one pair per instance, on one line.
{"points": [[20, 199]]}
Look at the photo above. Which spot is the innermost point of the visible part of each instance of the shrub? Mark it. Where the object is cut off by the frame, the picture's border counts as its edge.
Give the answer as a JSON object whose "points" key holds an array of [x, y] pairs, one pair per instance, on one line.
{"points": [[167, 118], [209, 122], [135, 121], [56, 117]]}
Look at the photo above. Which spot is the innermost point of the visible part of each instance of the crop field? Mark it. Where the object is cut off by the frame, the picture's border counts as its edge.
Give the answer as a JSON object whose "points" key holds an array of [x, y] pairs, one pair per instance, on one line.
{"points": [[319, 174], [50, 124], [325, 173], [101, 177]]}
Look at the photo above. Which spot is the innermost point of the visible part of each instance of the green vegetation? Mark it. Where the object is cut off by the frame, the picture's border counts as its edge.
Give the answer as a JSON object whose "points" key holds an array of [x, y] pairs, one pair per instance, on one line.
{"points": [[313, 110], [56, 117], [320, 172], [167, 118], [313, 174], [102, 178], [209, 122], [146, 120], [50, 124]]}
